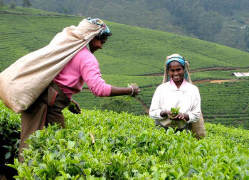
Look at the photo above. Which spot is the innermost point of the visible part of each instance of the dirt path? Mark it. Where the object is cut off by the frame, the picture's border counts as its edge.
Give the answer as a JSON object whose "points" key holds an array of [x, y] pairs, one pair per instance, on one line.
{"points": [[218, 69], [216, 81], [204, 70], [246, 108]]}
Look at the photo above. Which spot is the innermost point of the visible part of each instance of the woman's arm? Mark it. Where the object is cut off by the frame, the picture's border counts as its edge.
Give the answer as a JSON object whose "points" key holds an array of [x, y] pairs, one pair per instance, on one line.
{"points": [[133, 90], [155, 108], [91, 75], [194, 114]]}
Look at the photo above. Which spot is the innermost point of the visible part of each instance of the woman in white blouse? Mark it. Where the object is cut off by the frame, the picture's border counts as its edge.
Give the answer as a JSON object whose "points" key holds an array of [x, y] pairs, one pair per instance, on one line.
{"points": [[176, 92]]}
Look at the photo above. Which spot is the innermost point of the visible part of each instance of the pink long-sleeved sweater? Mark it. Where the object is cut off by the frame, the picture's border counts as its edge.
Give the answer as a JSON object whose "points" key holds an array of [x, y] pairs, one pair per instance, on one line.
{"points": [[83, 68]]}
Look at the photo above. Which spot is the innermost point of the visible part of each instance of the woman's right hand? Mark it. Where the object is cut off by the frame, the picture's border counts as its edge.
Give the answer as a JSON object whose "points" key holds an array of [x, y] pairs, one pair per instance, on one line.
{"points": [[165, 114], [131, 90], [135, 90]]}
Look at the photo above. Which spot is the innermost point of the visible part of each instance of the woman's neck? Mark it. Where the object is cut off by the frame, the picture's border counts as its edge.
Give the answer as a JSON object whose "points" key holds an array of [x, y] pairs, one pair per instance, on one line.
{"points": [[178, 83]]}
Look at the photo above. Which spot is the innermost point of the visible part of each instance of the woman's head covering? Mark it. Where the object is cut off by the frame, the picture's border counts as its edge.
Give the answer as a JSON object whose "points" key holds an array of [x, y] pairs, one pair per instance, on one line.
{"points": [[175, 57], [181, 60], [105, 29]]}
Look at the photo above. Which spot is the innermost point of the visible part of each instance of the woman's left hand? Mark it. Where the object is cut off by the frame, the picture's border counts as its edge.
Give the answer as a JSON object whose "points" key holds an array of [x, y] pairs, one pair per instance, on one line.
{"points": [[74, 107], [181, 116]]}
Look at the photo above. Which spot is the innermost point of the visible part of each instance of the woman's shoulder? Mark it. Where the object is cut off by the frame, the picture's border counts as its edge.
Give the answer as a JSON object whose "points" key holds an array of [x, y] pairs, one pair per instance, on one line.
{"points": [[85, 56], [85, 52], [192, 86], [163, 85]]}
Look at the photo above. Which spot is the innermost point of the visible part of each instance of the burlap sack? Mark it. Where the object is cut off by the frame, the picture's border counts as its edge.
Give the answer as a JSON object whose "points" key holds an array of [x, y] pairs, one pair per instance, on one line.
{"points": [[198, 128], [23, 81]]}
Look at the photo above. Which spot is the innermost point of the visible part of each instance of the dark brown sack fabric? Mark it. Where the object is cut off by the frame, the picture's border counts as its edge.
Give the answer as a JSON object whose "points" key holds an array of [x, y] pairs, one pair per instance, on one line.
{"points": [[198, 128], [47, 109]]}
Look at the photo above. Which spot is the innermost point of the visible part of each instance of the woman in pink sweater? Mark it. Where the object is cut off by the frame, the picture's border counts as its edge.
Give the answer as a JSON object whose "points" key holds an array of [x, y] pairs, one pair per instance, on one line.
{"points": [[83, 68]]}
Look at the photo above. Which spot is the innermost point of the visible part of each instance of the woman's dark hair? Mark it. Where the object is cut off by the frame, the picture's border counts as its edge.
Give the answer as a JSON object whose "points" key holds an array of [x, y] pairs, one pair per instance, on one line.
{"points": [[103, 36], [167, 66]]}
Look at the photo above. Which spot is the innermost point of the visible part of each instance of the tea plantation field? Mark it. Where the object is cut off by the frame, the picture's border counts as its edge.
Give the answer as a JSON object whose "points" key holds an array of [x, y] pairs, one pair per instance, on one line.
{"points": [[136, 55], [107, 145]]}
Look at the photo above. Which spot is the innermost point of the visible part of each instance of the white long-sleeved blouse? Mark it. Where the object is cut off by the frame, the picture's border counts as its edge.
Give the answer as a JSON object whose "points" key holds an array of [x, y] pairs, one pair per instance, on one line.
{"points": [[167, 95]]}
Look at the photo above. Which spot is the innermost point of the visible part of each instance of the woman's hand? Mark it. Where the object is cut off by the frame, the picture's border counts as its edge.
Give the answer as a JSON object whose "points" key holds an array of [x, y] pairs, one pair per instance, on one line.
{"points": [[131, 90], [181, 116], [135, 90], [165, 114], [74, 107]]}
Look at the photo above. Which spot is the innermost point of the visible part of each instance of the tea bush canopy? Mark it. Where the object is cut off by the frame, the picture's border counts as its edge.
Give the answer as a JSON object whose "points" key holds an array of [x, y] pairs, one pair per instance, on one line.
{"points": [[109, 145]]}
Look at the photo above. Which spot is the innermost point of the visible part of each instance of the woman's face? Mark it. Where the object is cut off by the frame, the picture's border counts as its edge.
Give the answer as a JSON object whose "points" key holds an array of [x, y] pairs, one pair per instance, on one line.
{"points": [[176, 72], [96, 44]]}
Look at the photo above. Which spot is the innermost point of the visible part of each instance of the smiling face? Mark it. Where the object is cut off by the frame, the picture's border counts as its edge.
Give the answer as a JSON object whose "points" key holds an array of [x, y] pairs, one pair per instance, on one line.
{"points": [[176, 72]]}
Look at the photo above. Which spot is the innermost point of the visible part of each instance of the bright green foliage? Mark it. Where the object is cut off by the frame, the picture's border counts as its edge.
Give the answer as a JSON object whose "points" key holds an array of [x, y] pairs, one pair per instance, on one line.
{"points": [[127, 147], [131, 147], [9, 135], [174, 111]]}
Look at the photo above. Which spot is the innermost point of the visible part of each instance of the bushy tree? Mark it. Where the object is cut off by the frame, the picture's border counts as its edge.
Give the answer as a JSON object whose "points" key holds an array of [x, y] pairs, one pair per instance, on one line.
{"points": [[247, 37], [12, 5], [26, 3], [1, 3]]}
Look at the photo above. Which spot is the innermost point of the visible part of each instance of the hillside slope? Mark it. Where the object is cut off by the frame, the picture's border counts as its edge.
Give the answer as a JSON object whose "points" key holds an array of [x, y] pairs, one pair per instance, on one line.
{"points": [[224, 22], [142, 51], [129, 55]]}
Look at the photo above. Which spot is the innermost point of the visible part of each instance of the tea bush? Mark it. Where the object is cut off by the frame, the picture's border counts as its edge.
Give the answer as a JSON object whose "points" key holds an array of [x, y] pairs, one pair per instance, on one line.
{"points": [[107, 145], [9, 135], [9, 141]]}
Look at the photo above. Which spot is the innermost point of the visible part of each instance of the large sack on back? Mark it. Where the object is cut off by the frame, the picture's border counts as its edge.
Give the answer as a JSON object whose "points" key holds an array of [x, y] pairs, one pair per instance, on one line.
{"points": [[23, 81], [198, 128]]}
